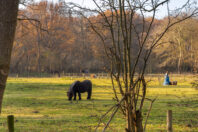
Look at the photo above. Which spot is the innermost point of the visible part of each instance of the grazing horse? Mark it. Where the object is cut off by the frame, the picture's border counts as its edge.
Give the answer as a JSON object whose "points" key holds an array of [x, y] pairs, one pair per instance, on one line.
{"points": [[80, 87]]}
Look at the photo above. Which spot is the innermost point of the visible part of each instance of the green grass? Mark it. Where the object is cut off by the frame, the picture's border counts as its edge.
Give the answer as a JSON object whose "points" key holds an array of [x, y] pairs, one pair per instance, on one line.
{"points": [[41, 105]]}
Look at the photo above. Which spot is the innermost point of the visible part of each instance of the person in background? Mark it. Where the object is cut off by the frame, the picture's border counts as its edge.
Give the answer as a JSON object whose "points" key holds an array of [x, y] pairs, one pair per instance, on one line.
{"points": [[166, 79]]}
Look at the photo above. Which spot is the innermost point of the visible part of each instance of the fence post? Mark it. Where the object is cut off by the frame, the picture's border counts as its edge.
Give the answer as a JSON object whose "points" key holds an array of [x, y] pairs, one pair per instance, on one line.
{"points": [[10, 123], [169, 121]]}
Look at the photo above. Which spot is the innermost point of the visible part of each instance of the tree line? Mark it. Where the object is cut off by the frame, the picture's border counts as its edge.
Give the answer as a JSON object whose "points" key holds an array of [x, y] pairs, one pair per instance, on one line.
{"points": [[52, 38]]}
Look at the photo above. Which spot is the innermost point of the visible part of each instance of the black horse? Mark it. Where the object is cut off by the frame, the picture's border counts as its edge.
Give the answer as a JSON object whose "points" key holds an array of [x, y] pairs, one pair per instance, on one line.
{"points": [[80, 87]]}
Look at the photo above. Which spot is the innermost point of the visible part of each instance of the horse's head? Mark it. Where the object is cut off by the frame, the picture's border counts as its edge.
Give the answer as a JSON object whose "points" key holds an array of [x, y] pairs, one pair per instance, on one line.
{"points": [[72, 89], [69, 95]]}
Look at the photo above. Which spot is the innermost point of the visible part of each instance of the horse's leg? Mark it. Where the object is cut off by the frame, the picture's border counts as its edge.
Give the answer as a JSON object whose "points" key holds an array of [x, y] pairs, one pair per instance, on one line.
{"points": [[89, 94], [74, 95], [79, 95]]}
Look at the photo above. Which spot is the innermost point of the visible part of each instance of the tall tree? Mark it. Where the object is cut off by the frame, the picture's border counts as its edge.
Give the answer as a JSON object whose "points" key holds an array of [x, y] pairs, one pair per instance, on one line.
{"points": [[8, 19], [123, 33]]}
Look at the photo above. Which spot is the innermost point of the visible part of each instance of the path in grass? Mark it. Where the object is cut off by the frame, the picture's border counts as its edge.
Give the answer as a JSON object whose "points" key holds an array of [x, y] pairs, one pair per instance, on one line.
{"points": [[40, 105]]}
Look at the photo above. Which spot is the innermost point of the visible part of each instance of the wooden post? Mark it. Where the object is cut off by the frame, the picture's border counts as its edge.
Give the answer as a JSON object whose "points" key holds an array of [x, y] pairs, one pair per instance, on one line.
{"points": [[169, 121], [10, 123]]}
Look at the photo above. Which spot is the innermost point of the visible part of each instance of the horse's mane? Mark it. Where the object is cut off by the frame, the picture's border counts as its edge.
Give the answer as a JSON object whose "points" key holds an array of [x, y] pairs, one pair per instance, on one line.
{"points": [[72, 85]]}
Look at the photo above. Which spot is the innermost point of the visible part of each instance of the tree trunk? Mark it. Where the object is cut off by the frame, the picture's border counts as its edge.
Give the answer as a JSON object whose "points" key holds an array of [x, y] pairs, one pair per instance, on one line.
{"points": [[138, 122], [134, 124], [38, 52], [179, 60], [179, 41], [8, 19], [133, 119]]}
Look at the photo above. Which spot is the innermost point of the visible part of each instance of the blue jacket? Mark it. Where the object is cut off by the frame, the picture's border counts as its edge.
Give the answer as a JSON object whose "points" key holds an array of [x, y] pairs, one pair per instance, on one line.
{"points": [[166, 80]]}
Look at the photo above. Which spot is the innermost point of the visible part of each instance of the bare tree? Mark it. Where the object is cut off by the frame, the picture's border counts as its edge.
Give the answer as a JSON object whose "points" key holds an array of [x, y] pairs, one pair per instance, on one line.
{"points": [[122, 26], [8, 18], [179, 51]]}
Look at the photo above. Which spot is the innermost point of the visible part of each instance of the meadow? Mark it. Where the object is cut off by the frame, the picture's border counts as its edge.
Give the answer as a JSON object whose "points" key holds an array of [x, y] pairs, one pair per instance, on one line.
{"points": [[41, 105]]}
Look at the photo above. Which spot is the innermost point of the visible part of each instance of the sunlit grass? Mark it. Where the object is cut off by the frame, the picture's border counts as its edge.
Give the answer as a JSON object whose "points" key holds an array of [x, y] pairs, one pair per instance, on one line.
{"points": [[40, 104]]}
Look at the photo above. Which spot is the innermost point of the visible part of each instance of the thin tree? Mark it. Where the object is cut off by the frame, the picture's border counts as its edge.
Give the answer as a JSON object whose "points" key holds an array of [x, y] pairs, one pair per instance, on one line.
{"points": [[8, 19], [122, 25]]}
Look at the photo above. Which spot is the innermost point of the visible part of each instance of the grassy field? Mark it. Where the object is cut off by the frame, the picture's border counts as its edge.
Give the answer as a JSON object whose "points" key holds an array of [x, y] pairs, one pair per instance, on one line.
{"points": [[41, 105]]}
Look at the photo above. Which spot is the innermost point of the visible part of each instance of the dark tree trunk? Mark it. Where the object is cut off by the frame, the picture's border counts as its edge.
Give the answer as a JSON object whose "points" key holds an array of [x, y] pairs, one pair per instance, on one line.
{"points": [[8, 19], [138, 122], [134, 121]]}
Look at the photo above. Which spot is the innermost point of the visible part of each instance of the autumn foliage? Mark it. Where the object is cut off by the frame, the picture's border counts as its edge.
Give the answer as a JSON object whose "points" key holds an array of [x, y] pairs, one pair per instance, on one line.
{"points": [[50, 38]]}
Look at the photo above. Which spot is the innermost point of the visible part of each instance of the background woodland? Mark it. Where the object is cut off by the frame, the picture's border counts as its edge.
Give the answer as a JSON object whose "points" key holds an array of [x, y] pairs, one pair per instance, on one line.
{"points": [[51, 38]]}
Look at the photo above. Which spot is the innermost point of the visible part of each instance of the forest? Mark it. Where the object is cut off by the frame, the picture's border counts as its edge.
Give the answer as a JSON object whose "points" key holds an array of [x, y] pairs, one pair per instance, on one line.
{"points": [[51, 37]]}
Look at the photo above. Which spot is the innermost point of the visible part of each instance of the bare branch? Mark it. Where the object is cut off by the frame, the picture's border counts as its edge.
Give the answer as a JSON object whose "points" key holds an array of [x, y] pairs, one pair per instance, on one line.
{"points": [[148, 113], [103, 116]]}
